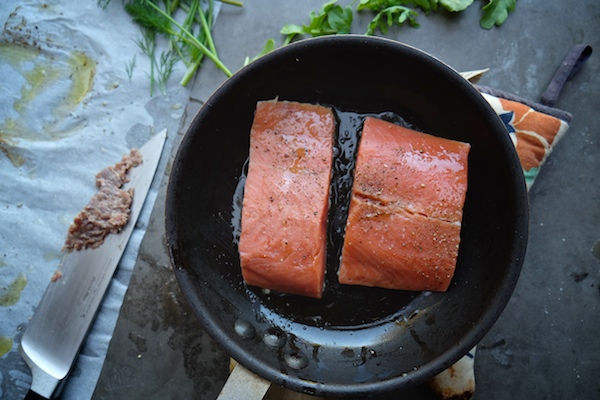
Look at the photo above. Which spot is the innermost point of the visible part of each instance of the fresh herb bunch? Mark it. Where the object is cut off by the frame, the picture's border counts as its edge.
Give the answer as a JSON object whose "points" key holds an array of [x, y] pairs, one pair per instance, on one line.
{"points": [[187, 26], [495, 12], [386, 16], [334, 19]]}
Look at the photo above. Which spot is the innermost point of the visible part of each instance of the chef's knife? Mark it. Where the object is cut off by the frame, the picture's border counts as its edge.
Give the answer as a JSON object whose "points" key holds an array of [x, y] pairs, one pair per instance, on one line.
{"points": [[61, 321]]}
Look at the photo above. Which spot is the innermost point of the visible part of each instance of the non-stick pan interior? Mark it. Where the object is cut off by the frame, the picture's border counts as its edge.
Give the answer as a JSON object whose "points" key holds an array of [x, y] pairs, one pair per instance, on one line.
{"points": [[356, 340]]}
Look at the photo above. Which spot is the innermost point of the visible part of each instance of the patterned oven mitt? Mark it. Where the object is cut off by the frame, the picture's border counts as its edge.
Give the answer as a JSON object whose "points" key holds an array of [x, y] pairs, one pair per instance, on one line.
{"points": [[535, 128]]}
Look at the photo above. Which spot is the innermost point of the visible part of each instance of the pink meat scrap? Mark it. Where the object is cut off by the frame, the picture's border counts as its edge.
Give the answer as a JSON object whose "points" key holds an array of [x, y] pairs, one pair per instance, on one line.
{"points": [[108, 210]]}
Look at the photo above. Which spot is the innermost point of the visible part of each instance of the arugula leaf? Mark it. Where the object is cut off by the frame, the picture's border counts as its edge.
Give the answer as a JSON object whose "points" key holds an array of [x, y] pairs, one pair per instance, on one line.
{"points": [[376, 5], [455, 5], [393, 14], [379, 5], [267, 48], [426, 5], [291, 31], [339, 19], [388, 12], [496, 12], [330, 20]]}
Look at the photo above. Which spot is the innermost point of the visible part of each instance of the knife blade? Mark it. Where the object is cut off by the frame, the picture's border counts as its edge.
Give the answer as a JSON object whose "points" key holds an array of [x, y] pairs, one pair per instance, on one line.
{"points": [[61, 321]]}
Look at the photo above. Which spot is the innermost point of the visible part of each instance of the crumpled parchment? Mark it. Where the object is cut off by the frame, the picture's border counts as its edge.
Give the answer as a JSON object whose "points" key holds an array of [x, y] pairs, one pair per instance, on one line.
{"points": [[74, 97]]}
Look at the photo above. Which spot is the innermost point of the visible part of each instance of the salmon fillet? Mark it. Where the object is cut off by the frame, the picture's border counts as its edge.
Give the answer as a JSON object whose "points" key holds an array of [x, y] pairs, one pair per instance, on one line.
{"points": [[282, 242], [405, 214]]}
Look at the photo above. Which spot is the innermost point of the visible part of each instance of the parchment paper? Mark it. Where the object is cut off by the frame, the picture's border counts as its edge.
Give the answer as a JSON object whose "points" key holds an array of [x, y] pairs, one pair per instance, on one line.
{"points": [[74, 97]]}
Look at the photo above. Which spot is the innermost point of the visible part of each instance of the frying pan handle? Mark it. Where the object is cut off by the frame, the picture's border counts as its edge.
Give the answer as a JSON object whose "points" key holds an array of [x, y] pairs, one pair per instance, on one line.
{"points": [[243, 384]]}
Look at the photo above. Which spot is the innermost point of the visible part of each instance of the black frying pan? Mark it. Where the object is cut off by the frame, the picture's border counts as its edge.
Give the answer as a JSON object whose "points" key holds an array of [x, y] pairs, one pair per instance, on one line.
{"points": [[356, 341]]}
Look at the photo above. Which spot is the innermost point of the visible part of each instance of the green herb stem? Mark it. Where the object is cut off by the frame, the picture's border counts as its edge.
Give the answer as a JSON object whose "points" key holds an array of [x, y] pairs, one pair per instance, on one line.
{"points": [[206, 28], [191, 39], [191, 71], [174, 6], [233, 3], [148, 44]]}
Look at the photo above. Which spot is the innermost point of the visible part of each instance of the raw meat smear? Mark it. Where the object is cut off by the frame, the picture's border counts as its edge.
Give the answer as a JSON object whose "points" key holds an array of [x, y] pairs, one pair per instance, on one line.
{"points": [[108, 210]]}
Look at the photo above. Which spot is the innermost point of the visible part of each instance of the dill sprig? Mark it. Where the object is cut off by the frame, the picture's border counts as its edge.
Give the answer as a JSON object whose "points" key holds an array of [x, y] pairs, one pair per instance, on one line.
{"points": [[184, 34], [130, 66], [147, 44], [187, 26]]}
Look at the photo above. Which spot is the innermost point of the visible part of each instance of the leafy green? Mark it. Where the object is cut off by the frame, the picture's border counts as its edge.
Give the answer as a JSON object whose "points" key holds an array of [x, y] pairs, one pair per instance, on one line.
{"points": [[331, 19], [268, 47], [390, 15], [455, 5], [334, 19], [425, 5], [388, 12], [379, 5], [496, 12], [291, 30]]}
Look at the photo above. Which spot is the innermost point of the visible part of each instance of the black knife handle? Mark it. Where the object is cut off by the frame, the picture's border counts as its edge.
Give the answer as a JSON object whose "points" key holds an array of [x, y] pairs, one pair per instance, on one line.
{"points": [[31, 395]]}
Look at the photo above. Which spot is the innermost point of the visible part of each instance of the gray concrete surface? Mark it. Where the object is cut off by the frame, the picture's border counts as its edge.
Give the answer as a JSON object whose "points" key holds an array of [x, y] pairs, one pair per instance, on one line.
{"points": [[545, 345]]}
